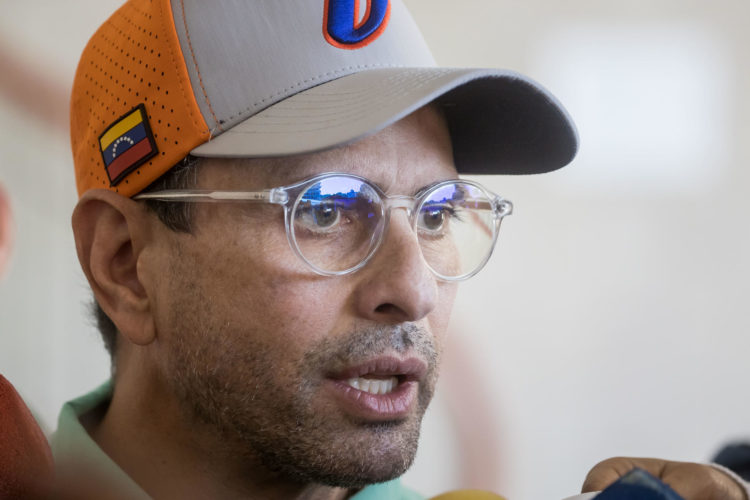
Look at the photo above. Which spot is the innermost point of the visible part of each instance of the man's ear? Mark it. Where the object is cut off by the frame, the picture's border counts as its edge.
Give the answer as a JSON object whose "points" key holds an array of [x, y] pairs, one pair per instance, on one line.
{"points": [[111, 232]]}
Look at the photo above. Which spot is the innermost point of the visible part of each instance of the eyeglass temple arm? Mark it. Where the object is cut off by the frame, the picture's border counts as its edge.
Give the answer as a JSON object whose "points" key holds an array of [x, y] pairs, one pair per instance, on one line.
{"points": [[276, 196], [503, 207], [500, 206]]}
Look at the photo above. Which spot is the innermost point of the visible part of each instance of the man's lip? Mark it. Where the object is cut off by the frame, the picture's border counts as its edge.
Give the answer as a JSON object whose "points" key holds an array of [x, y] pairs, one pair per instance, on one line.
{"points": [[408, 369], [392, 406]]}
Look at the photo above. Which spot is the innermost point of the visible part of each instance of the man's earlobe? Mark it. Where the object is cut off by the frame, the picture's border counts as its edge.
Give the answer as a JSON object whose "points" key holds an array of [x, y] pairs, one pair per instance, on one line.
{"points": [[111, 232]]}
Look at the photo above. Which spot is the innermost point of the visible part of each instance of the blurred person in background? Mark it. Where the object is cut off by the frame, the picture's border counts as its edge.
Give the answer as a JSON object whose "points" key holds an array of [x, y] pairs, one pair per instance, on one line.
{"points": [[7, 230], [25, 457]]}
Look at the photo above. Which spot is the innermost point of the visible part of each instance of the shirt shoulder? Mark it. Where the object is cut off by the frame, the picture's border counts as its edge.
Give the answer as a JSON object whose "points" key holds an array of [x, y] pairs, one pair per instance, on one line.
{"points": [[75, 451], [392, 490]]}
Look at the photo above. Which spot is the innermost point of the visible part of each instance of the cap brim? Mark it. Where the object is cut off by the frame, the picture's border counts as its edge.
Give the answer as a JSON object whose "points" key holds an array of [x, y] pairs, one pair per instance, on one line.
{"points": [[500, 122]]}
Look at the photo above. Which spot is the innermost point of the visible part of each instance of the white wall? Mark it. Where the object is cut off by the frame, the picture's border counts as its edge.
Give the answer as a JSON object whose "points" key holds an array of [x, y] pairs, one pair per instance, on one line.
{"points": [[610, 320]]}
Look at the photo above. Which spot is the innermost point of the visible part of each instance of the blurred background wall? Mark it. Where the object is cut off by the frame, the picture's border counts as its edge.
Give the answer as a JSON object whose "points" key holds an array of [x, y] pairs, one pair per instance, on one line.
{"points": [[612, 319]]}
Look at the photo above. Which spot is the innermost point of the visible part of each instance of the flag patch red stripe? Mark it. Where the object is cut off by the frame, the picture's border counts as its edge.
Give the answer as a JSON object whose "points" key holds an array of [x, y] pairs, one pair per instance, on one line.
{"points": [[140, 150]]}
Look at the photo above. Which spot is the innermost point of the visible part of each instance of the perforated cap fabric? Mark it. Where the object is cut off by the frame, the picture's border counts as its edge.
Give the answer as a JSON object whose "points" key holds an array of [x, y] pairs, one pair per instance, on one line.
{"points": [[230, 78], [134, 59]]}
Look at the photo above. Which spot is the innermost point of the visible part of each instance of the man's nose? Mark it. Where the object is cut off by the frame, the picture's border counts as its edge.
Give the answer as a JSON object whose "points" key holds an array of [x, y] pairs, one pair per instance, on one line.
{"points": [[396, 285]]}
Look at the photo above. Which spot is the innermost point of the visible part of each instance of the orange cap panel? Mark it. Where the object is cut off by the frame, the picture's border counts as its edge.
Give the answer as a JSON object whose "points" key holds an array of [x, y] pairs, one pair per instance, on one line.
{"points": [[133, 59]]}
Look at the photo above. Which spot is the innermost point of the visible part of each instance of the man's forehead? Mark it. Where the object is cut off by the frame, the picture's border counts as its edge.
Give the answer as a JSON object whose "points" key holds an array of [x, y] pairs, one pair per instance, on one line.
{"points": [[412, 153]]}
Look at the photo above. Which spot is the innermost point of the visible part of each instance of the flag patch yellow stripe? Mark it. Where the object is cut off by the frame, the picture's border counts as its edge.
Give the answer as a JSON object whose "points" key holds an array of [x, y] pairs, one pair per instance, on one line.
{"points": [[120, 128]]}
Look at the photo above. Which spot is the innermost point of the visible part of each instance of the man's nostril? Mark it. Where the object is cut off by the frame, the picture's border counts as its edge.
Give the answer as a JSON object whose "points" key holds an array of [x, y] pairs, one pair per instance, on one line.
{"points": [[386, 308]]}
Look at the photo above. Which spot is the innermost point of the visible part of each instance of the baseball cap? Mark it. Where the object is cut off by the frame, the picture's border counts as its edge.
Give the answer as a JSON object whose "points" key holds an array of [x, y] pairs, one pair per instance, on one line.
{"points": [[162, 79]]}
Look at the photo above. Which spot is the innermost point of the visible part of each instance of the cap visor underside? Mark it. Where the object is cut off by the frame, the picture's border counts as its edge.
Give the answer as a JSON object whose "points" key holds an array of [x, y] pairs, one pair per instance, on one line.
{"points": [[500, 122]]}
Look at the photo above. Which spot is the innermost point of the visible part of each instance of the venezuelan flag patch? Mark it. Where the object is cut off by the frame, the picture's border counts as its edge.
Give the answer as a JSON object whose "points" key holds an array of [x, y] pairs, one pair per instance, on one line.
{"points": [[127, 144]]}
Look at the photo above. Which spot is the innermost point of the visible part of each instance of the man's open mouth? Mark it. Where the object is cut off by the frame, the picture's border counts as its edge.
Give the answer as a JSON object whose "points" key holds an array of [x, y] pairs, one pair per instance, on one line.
{"points": [[374, 385], [382, 388]]}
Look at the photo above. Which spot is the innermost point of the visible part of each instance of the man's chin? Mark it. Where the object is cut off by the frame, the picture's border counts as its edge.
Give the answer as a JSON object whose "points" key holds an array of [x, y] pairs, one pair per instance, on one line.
{"points": [[358, 475], [384, 452]]}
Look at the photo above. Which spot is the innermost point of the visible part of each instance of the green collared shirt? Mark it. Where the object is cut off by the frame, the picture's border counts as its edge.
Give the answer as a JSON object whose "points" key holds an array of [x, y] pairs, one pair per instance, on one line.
{"points": [[72, 444]]}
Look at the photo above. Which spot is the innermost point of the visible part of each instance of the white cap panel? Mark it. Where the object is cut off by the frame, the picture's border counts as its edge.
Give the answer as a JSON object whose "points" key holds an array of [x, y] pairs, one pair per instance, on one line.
{"points": [[233, 52]]}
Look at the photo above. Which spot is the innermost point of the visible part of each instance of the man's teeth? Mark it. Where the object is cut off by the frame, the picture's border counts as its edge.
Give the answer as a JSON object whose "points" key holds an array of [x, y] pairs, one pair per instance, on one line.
{"points": [[374, 386]]}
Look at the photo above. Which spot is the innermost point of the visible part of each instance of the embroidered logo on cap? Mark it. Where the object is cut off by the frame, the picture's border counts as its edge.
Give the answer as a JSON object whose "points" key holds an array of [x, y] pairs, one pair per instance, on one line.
{"points": [[127, 144], [343, 28]]}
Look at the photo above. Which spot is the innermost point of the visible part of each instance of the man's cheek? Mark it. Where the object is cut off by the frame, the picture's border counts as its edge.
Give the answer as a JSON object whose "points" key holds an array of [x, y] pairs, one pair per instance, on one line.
{"points": [[297, 309]]}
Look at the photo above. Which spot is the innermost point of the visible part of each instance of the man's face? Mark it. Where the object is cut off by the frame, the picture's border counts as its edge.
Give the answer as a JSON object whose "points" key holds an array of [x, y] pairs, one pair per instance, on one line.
{"points": [[263, 355]]}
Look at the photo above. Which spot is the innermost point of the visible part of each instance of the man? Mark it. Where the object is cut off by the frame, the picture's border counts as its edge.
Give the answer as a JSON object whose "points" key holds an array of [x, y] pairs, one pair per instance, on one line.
{"points": [[272, 226]]}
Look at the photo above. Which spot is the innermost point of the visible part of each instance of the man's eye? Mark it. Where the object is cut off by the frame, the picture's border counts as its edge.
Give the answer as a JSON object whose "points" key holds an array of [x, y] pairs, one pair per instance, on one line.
{"points": [[320, 216], [434, 219], [326, 215]]}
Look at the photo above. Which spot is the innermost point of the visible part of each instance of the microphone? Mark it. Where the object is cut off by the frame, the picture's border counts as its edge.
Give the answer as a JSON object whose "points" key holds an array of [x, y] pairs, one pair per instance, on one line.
{"points": [[635, 485]]}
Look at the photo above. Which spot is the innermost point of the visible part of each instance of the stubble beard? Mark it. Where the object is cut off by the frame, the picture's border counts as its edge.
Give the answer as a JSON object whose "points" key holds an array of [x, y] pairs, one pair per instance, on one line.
{"points": [[231, 387]]}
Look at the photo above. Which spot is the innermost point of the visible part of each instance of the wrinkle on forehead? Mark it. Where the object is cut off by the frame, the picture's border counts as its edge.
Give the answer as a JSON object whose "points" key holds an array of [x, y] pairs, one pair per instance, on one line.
{"points": [[401, 159]]}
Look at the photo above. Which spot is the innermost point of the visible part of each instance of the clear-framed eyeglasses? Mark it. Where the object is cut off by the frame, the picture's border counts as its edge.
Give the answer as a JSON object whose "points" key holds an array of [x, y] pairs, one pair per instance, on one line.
{"points": [[335, 222]]}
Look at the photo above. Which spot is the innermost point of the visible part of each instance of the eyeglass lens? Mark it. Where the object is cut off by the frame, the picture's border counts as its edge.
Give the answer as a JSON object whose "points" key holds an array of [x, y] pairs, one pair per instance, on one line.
{"points": [[337, 222], [455, 228]]}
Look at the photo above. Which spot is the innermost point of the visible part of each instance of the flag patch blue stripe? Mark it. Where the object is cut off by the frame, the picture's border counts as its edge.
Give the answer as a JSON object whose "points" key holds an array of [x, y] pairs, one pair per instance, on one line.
{"points": [[124, 142]]}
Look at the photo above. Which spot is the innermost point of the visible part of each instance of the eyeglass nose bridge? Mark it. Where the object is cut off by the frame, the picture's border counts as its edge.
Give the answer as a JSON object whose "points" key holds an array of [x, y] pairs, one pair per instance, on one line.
{"points": [[389, 203], [400, 201]]}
